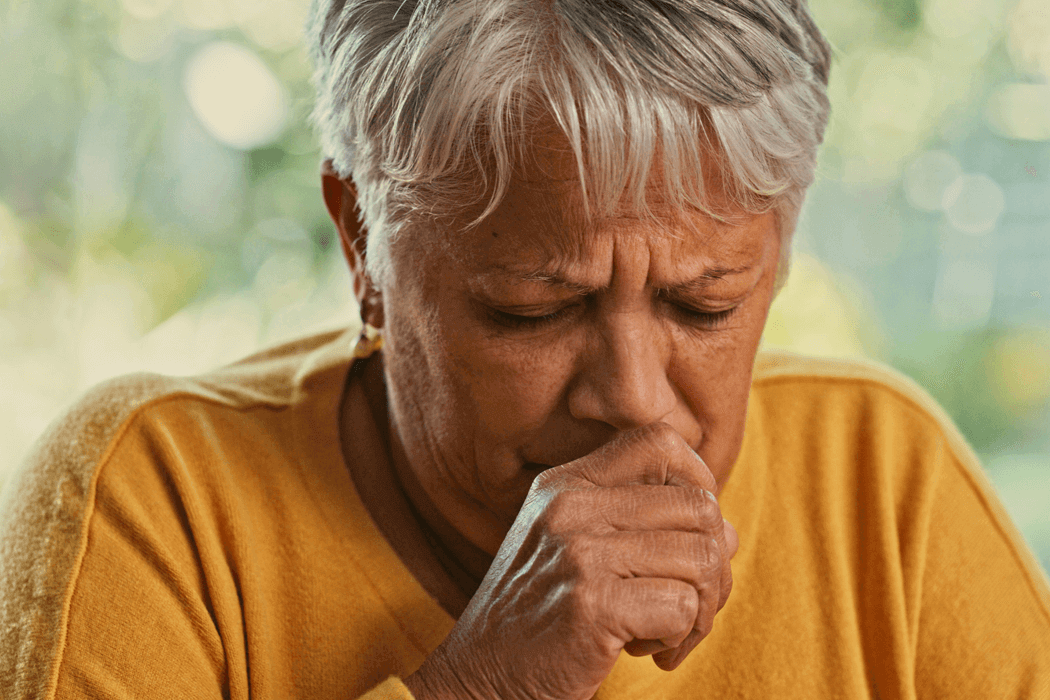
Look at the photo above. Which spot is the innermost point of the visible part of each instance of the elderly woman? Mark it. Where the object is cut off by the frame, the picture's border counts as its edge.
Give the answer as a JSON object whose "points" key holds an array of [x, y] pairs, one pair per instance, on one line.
{"points": [[539, 453]]}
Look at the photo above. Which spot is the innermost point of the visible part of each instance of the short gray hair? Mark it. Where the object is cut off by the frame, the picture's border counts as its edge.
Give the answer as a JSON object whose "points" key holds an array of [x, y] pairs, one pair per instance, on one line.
{"points": [[407, 88]]}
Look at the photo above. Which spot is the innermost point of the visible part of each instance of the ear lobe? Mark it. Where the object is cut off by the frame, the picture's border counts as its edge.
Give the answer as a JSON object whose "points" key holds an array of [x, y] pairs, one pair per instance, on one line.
{"points": [[372, 309]]}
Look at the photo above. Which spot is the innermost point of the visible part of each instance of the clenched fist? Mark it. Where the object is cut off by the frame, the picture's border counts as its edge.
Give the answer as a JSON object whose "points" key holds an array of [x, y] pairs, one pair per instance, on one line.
{"points": [[624, 549]]}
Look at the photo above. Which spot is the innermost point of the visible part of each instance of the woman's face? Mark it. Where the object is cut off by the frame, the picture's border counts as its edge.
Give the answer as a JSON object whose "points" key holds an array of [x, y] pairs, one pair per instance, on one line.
{"points": [[526, 344]]}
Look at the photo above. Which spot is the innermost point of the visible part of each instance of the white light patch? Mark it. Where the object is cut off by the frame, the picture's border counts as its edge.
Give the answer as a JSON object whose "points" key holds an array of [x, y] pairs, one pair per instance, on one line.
{"points": [[1029, 38], [1020, 111], [235, 96], [973, 204]]}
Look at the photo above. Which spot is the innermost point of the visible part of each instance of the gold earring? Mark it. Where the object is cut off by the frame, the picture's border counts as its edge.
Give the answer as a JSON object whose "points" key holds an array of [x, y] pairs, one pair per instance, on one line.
{"points": [[369, 342]]}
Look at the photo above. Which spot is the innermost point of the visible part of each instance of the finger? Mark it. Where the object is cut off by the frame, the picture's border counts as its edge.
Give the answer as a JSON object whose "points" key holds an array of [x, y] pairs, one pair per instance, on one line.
{"points": [[670, 659], [687, 557], [655, 454], [732, 539], [646, 647], [647, 608], [684, 556], [728, 544], [625, 508]]}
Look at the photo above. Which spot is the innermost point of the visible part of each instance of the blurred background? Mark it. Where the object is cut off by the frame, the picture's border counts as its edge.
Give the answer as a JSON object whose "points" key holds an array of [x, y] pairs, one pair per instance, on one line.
{"points": [[160, 208]]}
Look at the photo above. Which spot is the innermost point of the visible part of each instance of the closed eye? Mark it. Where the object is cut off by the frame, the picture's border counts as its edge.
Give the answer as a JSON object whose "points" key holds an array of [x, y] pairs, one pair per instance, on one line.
{"points": [[522, 321], [706, 320]]}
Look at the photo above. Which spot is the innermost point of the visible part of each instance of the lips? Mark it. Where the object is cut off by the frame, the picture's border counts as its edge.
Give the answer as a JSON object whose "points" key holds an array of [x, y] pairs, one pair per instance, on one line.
{"points": [[536, 467]]}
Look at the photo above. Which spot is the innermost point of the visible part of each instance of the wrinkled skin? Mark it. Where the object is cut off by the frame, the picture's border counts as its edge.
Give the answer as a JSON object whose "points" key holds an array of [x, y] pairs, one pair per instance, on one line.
{"points": [[561, 405], [622, 548]]}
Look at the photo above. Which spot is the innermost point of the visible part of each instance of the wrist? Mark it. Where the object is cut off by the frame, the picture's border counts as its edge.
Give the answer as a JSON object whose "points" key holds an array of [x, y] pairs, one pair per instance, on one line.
{"points": [[420, 687], [437, 680]]}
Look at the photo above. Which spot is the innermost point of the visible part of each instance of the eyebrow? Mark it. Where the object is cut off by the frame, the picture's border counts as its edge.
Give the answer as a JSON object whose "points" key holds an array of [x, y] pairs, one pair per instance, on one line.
{"points": [[705, 279]]}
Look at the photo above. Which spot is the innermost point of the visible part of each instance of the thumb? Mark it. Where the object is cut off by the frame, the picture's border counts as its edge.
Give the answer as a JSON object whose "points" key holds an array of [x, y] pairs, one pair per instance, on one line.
{"points": [[732, 539]]}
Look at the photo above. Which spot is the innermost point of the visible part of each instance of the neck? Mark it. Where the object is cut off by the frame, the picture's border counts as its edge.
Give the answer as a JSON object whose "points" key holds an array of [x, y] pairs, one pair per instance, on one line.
{"points": [[463, 561]]}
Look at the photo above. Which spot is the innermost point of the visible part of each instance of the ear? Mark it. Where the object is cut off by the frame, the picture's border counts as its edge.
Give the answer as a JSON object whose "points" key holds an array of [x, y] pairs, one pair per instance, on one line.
{"points": [[340, 197]]}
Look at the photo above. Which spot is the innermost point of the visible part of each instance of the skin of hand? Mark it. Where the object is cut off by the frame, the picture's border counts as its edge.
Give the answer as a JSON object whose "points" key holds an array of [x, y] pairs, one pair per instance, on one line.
{"points": [[530, 344], [623, 548]]}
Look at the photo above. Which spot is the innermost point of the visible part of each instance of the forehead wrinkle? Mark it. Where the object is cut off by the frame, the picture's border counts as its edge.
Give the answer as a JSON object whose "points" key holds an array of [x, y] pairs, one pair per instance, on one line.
{"points": [[550, 274], [563, 238]]}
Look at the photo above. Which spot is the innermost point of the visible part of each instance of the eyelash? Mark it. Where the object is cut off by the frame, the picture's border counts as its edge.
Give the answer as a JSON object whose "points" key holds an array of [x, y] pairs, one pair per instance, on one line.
{"points": [[704, 320]]}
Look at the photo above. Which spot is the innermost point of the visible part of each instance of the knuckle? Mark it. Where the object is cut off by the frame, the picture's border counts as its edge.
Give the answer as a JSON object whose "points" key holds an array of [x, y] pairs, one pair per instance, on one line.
{"points": [[685, 603], [709, 558], [580, 551], [706, 513], [711, 518], [587, 601]]}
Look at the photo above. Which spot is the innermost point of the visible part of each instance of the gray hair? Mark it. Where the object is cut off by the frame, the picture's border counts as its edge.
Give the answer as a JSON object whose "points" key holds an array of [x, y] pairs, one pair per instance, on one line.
{"points": [[406, 88]]}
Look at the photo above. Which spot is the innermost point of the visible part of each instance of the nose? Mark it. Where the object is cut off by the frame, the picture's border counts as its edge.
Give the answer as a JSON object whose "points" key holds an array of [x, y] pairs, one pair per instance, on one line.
{"points": [[623, 375]]}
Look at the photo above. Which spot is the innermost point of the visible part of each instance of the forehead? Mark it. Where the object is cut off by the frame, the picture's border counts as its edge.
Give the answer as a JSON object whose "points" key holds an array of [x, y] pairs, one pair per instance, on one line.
{"points": [[539, 228], [540, 223]]}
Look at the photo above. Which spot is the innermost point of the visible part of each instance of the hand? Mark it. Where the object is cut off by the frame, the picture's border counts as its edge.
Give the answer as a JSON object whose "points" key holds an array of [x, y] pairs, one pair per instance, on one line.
{"points": [[624, 548]]}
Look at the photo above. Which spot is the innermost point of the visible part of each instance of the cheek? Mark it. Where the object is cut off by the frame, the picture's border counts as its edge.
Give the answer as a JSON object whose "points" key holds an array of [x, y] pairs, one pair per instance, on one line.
{"points": [[514, 386], [714, 376]]}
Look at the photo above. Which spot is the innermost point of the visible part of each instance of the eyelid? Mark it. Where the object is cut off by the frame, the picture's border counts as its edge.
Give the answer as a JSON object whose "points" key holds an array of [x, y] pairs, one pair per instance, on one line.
{"points": [[518, 320], [698, 304], [532, 310]]}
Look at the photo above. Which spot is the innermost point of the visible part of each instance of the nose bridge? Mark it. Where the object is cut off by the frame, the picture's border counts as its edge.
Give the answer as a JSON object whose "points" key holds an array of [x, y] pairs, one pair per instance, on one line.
{"points": [[624, 377]]}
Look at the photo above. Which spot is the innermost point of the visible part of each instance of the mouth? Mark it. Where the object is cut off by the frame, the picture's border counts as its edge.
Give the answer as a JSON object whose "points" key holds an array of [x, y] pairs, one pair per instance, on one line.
{"points": [[536, 467]]}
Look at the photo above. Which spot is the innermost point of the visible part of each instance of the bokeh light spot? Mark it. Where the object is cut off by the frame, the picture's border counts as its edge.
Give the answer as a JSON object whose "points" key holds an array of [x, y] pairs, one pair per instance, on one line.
{"points": [[1020, 111], [973, 203], [1019, 369], [279, 27], [820, 313], [1029, 39], [235, 96], [892, 105]]}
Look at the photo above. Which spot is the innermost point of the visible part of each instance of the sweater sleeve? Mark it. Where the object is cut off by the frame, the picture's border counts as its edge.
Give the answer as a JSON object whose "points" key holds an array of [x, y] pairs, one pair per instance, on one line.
{"points": [[984, 618], [144, 617], [100, 591]]}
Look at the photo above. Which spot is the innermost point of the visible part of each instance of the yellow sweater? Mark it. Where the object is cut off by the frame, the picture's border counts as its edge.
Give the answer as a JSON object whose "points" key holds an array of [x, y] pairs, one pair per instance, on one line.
{"points": [[202, 538]]}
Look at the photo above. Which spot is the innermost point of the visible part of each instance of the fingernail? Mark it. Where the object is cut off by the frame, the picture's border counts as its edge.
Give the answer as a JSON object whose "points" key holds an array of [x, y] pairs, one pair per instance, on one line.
{"points": [[711, 496]]}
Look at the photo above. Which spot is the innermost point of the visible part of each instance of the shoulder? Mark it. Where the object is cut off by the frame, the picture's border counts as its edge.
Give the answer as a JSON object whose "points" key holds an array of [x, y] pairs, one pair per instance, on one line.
{"points": [[868, 415], [775, 368], [860, 425], [856, 392], [46, 506]]}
